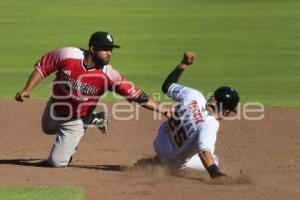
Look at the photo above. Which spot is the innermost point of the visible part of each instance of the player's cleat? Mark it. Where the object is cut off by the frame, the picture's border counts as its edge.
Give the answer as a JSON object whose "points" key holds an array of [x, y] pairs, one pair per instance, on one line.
{"points": [[100, 120]]}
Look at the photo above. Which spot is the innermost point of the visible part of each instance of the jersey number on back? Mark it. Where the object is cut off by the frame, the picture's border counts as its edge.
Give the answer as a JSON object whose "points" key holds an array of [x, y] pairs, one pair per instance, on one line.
{"points": [[179, 135]]}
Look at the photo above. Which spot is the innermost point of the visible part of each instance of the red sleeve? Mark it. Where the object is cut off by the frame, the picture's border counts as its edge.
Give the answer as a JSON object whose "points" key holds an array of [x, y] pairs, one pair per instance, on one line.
{"points": [[50, 62], [118, 84], [127, 90]]}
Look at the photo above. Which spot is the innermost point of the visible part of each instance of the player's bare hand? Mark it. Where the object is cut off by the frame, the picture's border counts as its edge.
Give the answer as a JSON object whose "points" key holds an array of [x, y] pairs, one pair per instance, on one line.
{"points": [[168, 114], [21, 95], [188, 59], [169, 111]]}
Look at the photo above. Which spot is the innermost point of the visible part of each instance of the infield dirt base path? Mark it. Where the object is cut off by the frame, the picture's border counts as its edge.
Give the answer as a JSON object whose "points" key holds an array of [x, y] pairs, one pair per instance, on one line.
{"points": [[263, 158]]}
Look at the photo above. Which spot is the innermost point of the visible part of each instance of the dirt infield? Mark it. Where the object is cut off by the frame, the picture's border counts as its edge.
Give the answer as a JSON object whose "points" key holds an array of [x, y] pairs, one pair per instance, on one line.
{"points": [[263, 157]]}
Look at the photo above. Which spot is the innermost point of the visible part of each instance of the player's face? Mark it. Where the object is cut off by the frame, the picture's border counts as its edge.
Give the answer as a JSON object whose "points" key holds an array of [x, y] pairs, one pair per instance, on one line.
{"points": [[225, 112], [101, 56], [222, 114]]}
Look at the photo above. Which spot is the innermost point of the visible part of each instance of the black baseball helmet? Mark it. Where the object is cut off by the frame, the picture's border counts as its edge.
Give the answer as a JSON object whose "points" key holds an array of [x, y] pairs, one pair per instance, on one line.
{"points": [[227, 98]]}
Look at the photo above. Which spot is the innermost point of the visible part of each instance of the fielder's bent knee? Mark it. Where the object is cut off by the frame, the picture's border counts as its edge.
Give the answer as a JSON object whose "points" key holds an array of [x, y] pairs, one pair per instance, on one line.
{"points": [[55, 162], [49, 131]]}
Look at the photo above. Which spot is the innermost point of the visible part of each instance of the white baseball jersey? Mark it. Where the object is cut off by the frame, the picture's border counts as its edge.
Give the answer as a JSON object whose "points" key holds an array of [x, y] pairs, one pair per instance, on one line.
{"points": [[193, 131]]}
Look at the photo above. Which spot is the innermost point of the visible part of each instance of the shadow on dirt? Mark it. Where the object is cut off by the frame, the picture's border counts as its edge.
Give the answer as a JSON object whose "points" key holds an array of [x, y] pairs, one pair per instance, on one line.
{"points": [[117, 168], [25, 162], [34, 162], [43, 163], [148, 162]]}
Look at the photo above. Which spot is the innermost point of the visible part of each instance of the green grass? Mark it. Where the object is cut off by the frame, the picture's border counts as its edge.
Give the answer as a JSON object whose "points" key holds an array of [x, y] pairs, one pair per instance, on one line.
{"points": [[250, 45], [38, 193]]}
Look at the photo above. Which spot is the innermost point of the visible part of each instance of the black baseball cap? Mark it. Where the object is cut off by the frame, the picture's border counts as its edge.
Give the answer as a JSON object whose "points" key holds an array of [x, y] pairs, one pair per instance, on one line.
{"points": [[102, 39]]}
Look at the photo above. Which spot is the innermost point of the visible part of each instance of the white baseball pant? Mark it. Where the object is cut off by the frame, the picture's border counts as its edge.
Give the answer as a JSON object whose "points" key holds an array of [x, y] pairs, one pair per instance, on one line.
{"points": [[165, 151]]}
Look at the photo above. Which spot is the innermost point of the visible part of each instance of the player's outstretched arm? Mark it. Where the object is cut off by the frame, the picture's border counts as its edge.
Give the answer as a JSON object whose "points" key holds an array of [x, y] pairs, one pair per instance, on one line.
{"points": [[147, 102], [208, 162], [32, 81], [188, 58], [160, 108]]}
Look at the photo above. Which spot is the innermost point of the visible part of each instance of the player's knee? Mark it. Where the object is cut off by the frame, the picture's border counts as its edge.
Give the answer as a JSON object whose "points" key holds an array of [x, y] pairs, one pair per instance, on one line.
{"points": [[49, 127], [49, 131], [54, 164], [54, 161]]}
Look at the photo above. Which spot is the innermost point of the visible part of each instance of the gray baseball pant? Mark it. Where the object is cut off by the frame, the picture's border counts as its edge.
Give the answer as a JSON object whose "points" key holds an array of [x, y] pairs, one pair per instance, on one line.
{"points": [[69, 134]]}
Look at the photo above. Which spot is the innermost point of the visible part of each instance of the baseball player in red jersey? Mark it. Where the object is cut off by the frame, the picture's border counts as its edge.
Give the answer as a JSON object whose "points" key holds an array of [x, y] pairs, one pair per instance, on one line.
{"points": [[187, 140], [82, 76]]}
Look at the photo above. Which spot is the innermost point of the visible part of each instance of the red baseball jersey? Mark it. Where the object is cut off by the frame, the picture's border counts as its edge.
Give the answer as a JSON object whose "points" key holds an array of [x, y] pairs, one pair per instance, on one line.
{"points": [[76, 89]]}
